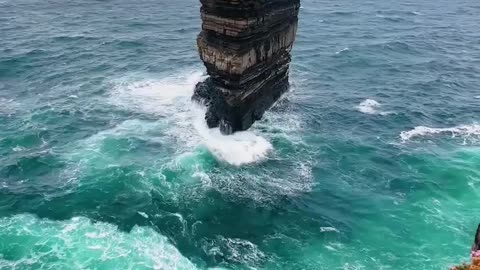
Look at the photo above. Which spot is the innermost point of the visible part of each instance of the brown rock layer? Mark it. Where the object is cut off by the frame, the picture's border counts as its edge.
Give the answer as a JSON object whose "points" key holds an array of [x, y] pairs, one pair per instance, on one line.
{"points": [[245, 46]]}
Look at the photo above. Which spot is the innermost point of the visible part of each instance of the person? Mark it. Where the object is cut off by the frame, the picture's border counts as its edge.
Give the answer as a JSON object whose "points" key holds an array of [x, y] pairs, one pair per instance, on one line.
{"points": [[475, 252]]}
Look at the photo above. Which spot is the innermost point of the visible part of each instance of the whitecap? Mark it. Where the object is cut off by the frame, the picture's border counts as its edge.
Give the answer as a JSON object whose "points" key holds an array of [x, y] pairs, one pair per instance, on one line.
{"points": [[343, 50], [140, 248], [462, 130], [371, 106], [328, 229], [477, 97], [143, 214], [368, 106]]}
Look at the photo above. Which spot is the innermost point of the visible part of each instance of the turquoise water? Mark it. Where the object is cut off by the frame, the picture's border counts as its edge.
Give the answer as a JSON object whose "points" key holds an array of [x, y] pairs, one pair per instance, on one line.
{"points": [[372, 161]]}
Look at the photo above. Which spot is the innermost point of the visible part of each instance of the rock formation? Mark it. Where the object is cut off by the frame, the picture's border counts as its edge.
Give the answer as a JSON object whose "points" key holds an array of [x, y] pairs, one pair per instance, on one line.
{"points": [[245, 46]]}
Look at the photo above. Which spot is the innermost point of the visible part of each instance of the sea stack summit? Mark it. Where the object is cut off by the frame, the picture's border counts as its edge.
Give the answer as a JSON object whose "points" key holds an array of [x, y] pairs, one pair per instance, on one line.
{"points": [[245, 46]]}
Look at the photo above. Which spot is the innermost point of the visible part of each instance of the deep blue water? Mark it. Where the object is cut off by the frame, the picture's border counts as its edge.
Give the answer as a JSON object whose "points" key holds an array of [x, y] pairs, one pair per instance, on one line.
{"points": [[372, 161]]}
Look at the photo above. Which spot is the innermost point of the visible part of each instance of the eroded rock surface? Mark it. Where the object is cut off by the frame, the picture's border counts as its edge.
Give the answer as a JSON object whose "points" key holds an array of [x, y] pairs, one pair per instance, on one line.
{"points": [[245, 45]]}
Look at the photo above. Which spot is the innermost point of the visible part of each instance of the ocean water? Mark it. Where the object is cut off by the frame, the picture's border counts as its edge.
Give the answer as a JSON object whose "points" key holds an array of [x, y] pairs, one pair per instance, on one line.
{"points": [[371, 161]]}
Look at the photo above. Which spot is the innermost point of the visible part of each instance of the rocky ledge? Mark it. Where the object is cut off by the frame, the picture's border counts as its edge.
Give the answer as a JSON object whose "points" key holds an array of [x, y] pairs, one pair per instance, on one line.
{"points": [[245, 46]]}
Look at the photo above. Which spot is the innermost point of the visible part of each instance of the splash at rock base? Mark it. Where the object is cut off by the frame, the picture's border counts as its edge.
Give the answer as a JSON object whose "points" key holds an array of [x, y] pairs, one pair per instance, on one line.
{"points": [[245, 46]]}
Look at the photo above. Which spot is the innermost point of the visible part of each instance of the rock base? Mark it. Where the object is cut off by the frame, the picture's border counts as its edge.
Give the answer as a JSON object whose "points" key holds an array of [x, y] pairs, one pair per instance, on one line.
{"points": [[238, 117]]}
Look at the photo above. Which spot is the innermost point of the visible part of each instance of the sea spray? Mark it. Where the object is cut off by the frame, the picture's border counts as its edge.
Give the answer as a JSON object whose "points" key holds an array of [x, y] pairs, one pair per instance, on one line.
{"points": [[170, 98], [371, 106], [237, 149]]}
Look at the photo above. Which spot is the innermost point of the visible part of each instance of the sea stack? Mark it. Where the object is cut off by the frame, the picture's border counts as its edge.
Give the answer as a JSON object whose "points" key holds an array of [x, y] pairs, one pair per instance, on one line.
{"points": [[245, 46]]}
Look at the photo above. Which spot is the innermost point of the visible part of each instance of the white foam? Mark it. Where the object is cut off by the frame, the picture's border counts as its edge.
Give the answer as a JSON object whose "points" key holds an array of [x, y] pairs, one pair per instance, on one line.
{"points": [[368, 106], [140, 248], [477, 97], [240, 250], [371, 106], [157, 96], [329, 229], [462, 130], [237, 149], [171, 98]]}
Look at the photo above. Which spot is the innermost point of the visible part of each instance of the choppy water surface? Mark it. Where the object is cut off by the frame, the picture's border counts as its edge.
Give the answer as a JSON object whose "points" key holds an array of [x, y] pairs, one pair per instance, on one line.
{"points": [[372, 161]]}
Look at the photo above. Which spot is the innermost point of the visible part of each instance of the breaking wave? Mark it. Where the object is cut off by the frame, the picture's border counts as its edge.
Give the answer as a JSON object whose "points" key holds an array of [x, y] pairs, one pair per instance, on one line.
{"points": [[170, 98], [462, 130], [239, 148], [79, 243], [371, 106]]}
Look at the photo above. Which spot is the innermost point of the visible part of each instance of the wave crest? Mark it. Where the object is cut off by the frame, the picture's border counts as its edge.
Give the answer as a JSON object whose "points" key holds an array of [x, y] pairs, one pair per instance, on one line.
{"points": [[371, 106], [462, 130]]}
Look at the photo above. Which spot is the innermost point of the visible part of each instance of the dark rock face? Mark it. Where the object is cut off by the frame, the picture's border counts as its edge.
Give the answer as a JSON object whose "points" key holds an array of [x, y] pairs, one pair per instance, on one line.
{"points": [[245, 45]]}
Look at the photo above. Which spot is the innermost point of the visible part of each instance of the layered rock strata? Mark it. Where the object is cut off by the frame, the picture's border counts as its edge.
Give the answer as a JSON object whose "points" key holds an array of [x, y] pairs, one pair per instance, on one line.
{"points": [[245, 46]]}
